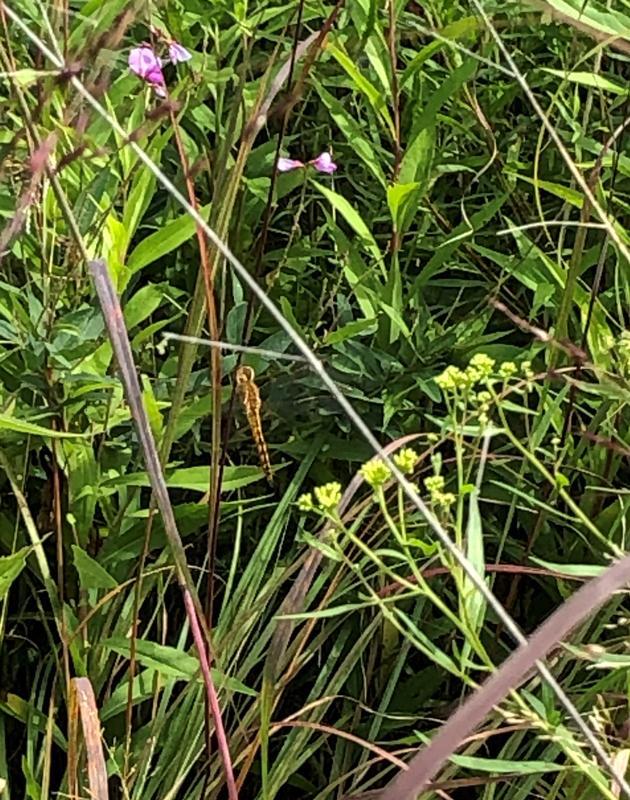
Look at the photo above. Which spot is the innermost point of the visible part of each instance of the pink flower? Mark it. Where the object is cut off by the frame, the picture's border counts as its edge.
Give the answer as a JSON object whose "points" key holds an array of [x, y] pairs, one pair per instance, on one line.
{"points": [[146, 65], [324, 163], [177, 53], [287, 164]]}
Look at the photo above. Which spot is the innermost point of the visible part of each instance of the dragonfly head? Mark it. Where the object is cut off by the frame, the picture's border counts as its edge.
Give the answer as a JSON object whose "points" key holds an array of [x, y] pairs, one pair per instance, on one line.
{"points": [[244, 375]]}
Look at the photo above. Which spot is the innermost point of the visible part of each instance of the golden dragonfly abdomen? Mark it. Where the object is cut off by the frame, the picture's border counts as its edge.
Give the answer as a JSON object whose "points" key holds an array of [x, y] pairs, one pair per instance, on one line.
{"points": [[250, 400]]}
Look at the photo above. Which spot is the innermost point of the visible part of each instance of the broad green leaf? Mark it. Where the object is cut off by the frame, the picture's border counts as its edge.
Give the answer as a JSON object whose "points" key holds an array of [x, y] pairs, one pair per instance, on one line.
{"points": [[173, 662], [428, 113], [82, 473], [575, 570], [195, 479], [590, 79], [163, 241], [460, 29], [397, 195], [352, 217], [375, 98], [474, 603], [91, 574], [10, 568], [418, 157], [610, 21], [354, 133], [398, 323], [116, 703], [143, 187], [502, 766], [31, 714], [349, 331], [152, 408], [24, 77], [9, 423], [571, 196], [143, 303]]}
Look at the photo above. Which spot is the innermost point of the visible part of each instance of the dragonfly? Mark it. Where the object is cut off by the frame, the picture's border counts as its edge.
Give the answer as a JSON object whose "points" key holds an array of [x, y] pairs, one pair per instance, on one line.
{"points": [[249, 396], [314, 414], [247, 391]]}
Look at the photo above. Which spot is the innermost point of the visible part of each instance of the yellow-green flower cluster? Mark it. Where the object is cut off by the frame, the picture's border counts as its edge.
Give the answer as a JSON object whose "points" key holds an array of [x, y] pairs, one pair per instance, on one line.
{"points": [[483, 399], [434, 484], [406, 459], [452, 378], [305, 502], [526, 369], [480, 368], [327, 498], [507, 370], [375, 473]]}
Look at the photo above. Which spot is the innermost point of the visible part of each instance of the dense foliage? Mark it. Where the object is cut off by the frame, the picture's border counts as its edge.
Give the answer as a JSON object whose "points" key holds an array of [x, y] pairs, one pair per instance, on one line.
{"points": [[455, 281]]}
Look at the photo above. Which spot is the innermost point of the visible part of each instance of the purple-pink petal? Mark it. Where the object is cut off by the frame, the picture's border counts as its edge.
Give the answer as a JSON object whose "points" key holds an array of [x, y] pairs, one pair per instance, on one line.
{"points": [[178, 53], [146, 65], [143, 61], [287, 164], [324, 163]]}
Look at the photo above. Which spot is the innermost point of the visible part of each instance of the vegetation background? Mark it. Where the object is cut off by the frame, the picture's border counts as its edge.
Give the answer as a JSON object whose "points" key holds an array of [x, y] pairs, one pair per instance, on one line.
{"points": [[453, 242]]}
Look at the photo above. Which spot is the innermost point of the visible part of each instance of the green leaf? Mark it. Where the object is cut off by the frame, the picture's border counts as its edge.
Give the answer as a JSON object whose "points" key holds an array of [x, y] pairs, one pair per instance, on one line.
{"points": [[10, 568], [173, 662], [91, 574], [152, 408], [397, 194], [363, 85], [448, 89], [460, 29], [143, 187], [144, 302], [609, 21], [10, 423], [445, 250], [195, 479], [163, 241], [24, 77], [349, 331], [326, 613], [571, 196], [473, 602], [501, 766], [116, 703], [319, 544], [354, 133], [575, 570], [590, 79], [82, 473], [352, 217], [416, 162]]}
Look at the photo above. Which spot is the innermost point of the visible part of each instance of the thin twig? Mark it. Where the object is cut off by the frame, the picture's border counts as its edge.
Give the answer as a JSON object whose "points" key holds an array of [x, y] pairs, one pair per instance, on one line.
{"points": [[114, 320]]}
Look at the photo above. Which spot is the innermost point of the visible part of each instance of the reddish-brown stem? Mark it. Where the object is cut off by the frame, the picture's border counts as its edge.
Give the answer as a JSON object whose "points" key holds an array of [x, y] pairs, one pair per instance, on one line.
{"points": [[514, 569], [211, 694], [215, 360]]}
